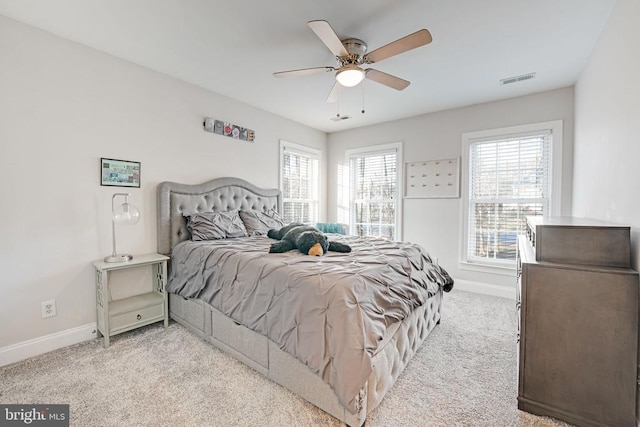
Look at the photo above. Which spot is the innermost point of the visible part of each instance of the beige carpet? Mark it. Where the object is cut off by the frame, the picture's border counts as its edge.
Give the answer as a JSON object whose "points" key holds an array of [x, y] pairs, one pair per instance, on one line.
{"points": [[464, 375]]}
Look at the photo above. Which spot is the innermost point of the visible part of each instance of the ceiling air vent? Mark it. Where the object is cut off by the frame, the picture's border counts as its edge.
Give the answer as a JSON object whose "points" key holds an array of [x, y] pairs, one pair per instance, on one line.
{"points": [[340, 118], [516, 79]]}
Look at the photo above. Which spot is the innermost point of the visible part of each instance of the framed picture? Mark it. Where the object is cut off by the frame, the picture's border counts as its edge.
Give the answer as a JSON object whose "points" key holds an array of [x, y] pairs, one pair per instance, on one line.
{"points": [[119, 173]]}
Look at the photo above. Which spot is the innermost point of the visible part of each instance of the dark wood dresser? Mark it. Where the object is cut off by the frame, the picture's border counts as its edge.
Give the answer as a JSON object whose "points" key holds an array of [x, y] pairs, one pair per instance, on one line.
{"points": [[577, 301]]}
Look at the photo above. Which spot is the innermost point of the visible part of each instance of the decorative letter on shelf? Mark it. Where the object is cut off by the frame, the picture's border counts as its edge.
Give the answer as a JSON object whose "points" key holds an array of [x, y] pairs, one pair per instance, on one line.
{"points": [[433, 179]]}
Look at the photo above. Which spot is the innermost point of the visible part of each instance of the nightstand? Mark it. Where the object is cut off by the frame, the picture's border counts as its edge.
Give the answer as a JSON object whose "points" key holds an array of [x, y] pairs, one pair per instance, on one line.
{"points": [[114, 317]]}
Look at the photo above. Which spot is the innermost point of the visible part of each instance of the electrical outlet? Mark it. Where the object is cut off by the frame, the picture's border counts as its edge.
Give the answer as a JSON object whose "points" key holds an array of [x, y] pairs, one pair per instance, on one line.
{"points": [[48, 308]]}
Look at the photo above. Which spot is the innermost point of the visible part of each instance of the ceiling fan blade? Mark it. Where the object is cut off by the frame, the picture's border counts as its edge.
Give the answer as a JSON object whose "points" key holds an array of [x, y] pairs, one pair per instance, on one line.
{"points": [[412, 41], [303, 71], [386, 79], [333, 95], [324, 31]]}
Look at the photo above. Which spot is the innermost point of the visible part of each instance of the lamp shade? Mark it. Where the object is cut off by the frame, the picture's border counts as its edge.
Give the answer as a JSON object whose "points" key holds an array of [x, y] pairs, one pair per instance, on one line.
{"points": [[126, 214], [350, 76]]}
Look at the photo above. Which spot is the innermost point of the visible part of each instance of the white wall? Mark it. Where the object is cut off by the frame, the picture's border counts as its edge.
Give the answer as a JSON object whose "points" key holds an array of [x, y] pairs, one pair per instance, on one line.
{"points": [[436, 223], [62, 107], [607, 144]]}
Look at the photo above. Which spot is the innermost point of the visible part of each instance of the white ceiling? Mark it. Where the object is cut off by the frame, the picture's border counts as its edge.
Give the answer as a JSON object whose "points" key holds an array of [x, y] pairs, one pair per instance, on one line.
{"points": [[233, 47]]}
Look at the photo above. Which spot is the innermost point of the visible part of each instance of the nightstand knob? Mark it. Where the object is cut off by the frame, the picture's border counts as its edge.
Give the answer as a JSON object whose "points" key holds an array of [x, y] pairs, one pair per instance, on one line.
{"points": [[138, 317]]}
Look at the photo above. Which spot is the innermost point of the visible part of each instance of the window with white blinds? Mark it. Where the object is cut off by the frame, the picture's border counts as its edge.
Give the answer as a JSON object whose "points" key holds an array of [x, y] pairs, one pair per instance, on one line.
{"points": [[299, 183], [509, 178], [374, 191]]}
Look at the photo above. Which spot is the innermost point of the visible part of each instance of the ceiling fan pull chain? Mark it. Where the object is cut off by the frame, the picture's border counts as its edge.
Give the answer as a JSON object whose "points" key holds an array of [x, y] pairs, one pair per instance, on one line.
{"points": [[362, 98]]}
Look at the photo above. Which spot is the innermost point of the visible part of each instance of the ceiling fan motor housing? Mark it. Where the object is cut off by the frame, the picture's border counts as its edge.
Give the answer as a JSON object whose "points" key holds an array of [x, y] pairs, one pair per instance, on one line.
{"points": [[356, 49]]}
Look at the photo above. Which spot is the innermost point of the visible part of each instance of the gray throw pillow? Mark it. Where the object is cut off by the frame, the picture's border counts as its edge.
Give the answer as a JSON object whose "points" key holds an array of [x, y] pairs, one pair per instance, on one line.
{"points": [[259, 223], [215, 225]]}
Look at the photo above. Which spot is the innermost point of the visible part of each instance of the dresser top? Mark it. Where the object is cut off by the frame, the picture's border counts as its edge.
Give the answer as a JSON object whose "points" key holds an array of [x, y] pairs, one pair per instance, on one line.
{"points": [[570, 221]]}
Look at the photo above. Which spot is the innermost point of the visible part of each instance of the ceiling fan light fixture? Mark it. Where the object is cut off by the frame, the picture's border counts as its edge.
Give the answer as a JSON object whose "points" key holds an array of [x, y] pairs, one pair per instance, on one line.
{"points": [[350, 76]]}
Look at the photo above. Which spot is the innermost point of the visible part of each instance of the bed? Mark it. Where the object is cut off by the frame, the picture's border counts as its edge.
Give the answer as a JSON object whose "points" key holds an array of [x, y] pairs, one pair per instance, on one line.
{"points": [[337, 330]]}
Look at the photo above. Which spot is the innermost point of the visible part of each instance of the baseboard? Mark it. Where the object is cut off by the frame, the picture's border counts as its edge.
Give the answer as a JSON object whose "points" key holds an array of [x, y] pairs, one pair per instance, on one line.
{"points": [[485, 288], [26, 349]]}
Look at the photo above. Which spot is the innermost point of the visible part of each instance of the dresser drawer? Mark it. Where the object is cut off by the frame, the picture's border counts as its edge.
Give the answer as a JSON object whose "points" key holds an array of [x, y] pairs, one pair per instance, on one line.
{"points": [[133, 319], [579, 241]]}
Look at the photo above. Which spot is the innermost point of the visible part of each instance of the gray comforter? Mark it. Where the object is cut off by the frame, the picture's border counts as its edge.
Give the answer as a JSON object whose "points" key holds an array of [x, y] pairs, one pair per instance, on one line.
{"points": [[329, 312]]}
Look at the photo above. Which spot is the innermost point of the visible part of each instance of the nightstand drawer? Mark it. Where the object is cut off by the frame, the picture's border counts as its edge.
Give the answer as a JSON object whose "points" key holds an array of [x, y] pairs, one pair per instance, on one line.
{"points": [[133, 319]]}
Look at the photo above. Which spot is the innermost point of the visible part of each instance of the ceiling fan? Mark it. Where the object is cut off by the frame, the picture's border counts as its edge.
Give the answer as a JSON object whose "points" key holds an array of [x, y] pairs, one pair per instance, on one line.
{"points": [[351, 54]]}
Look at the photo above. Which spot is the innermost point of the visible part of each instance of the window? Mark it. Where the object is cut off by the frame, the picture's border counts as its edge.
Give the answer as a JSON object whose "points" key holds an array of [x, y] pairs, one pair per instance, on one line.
{"points": [[299, 183], [374, 191], [511, 173]]}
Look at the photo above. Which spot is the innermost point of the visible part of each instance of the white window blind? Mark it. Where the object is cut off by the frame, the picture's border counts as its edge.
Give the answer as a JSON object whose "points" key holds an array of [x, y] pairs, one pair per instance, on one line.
{"points": [[509, 178], [299, 184], [374, 193]]}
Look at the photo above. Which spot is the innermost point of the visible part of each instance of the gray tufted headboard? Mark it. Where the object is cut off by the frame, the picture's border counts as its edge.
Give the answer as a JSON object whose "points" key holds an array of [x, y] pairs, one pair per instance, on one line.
{"points": [[218, 195]]}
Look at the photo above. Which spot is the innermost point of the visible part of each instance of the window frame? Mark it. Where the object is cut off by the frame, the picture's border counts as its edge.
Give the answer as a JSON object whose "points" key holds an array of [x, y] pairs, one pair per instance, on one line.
{"points": [[555, 127], [301, 150], [373, 150]]}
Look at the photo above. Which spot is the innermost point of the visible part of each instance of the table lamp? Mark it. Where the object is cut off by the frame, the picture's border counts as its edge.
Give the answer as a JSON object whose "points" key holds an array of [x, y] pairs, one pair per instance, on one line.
{"points": [[125, 214]]}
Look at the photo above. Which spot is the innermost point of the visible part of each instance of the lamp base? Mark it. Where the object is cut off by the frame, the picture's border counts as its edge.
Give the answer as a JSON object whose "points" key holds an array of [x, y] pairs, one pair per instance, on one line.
{"points": [[118, 258]]}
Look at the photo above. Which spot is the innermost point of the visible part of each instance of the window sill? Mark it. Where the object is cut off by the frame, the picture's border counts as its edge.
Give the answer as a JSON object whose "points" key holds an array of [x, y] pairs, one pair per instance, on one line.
{"points": [[483, 268]]}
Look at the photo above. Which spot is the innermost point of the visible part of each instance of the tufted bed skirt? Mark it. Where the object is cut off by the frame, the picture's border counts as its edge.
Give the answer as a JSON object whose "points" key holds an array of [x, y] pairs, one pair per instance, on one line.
{"points": [[400, 343]]}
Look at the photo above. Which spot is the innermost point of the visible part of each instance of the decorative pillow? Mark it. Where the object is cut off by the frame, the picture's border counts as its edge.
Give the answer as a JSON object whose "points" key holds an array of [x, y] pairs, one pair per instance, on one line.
{"points": [[215, 225], [259, 223], [331, 227]]}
